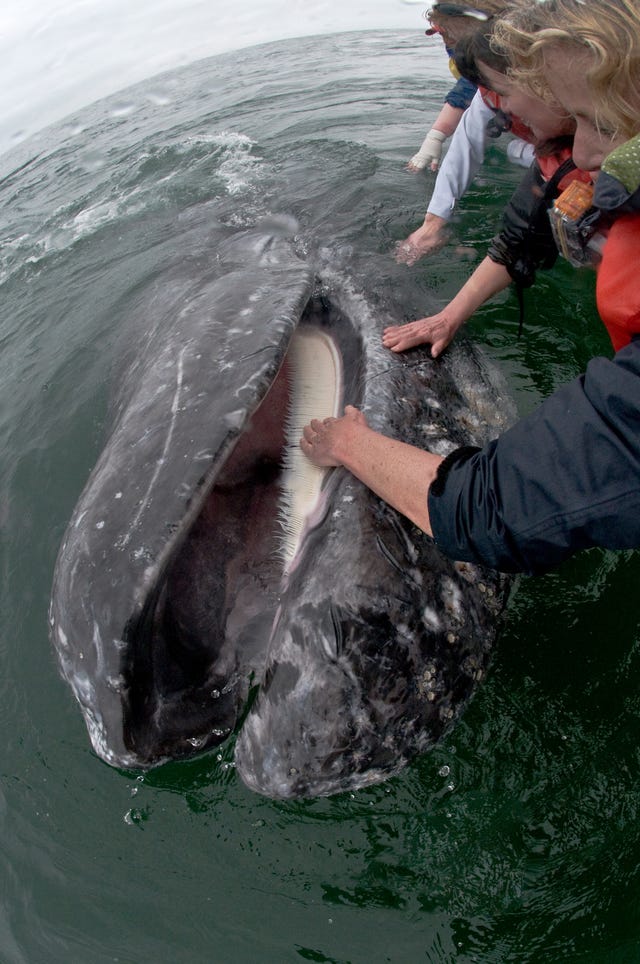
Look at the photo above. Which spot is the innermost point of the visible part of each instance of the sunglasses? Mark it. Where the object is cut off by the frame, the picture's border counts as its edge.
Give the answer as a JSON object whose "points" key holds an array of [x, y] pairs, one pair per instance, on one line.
{"points": [[454, 10]]}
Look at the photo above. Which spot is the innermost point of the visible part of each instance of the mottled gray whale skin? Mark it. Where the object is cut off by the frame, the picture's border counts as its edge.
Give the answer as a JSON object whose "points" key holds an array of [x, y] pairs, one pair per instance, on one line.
{"points": [[169, 602]]}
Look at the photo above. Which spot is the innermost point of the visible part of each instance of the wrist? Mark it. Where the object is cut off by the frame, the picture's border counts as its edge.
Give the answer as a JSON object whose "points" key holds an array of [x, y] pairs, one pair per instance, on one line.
{"points": [[433, 226], [352, 445]]}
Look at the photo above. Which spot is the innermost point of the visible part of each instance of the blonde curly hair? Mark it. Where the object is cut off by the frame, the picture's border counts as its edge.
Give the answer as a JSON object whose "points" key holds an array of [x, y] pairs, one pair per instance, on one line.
{"points": [[608, 29]]}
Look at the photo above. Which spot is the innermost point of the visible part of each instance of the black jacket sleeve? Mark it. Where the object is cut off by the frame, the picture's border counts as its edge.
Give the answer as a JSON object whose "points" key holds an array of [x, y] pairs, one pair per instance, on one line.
{"points": [[565, 478], [525, 242]]}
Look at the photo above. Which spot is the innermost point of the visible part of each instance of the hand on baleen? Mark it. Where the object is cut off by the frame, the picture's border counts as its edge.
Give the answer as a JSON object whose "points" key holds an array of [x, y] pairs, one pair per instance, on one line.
{"points": [[326, 442]]}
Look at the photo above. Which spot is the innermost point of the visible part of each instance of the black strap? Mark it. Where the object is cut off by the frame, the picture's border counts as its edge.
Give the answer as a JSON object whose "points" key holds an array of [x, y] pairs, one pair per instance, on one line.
{"points": [[564, 168], [549, 193]]}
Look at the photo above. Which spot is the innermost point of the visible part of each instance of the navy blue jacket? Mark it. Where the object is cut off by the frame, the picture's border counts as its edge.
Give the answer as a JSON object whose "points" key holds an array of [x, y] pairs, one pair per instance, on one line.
{"points": [[461, 94], [565, 478]]}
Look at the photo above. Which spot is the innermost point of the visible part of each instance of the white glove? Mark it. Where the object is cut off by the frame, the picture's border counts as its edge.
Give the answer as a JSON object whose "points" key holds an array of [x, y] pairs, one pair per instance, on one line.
{"points": [[430, 152], [520, 152]]}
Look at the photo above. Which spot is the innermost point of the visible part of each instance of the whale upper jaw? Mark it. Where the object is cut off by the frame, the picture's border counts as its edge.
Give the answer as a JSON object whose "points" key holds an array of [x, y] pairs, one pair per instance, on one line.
{"points": [[205, 355]]}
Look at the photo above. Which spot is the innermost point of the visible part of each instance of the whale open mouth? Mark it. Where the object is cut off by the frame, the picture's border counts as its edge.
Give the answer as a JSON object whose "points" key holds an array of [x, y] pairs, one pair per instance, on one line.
{"points": [[211, 582], [219, 592]]}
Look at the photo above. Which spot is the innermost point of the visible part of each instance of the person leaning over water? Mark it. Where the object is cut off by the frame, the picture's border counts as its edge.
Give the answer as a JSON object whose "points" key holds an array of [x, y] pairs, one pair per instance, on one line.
{"points": [[525, 242], [482, 118], [461, 94], [567, 477]]}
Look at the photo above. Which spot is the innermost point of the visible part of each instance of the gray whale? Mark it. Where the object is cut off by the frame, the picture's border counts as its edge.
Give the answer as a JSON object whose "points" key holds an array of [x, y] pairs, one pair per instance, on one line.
{"points": [[172, 618]]}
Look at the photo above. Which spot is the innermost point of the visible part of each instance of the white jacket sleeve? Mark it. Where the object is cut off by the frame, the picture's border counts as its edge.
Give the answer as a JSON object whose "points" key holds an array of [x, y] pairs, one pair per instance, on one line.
{"points": [[463, 159]]}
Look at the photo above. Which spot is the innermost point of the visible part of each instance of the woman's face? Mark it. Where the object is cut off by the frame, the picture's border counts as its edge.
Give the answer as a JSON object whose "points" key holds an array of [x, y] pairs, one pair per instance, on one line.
{"points": [[542, 119], [565, 75]]}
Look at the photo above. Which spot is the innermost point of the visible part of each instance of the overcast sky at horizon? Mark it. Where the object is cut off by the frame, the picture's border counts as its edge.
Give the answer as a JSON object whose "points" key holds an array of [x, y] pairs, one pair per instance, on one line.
{"points": [[57, 56]]}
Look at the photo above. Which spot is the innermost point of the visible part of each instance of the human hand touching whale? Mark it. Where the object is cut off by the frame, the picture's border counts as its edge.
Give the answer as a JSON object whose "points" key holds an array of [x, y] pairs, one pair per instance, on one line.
{"points": [[325, 442], [399, 473]]}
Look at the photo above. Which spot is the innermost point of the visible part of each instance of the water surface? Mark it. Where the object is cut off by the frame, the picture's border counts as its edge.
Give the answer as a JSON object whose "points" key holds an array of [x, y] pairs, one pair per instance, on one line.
{"points": [[514, 840]]}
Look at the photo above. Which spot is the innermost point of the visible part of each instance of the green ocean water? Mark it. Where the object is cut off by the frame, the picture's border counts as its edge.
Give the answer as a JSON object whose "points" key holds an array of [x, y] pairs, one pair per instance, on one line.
{"points": [[516, 838]]}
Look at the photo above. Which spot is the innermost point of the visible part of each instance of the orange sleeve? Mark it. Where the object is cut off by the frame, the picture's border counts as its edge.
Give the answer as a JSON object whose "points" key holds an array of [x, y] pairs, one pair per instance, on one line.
{"points": [[618, 285]]}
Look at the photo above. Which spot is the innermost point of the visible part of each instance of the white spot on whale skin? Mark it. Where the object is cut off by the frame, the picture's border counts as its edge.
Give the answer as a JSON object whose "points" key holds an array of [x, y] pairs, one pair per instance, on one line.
{"points": [[405, 632], [141, 553], [431, 619], [85, 693], [118, 495], [235, 420], [100, 525], [62, 638], [431, 429], [452, 598]]}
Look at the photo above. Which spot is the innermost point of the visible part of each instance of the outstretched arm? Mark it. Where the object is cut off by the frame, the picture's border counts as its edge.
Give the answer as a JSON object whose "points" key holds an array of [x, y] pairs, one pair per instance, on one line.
{"points": [[400, 474], [439, 330], [431, 150], [464, 157]]}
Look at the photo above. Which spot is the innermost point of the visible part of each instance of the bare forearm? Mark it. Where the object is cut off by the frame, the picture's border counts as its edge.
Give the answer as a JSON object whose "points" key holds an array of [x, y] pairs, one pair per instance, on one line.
{"points": [[399, 473], [487, 280], [448, 119]]}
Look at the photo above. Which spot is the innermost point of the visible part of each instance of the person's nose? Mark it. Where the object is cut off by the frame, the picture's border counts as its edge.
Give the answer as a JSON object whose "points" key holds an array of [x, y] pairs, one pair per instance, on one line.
{"points": [[587, 150]]}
